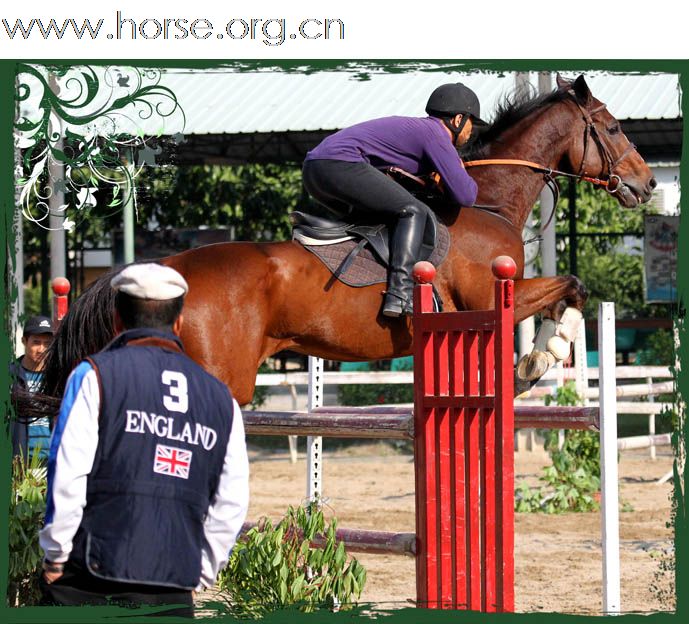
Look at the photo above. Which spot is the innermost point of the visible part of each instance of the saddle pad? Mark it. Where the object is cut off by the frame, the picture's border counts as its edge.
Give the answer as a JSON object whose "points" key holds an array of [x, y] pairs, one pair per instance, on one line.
{"points": [[366, 268]]}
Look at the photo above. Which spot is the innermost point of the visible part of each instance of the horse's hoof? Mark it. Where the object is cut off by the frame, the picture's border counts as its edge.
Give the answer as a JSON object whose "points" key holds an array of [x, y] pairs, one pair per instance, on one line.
{"points": [[522, 387], [533, 366]]}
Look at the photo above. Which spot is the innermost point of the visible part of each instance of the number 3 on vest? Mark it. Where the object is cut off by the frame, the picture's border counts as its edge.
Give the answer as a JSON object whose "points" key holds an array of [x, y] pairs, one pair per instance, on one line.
{"points": [[177, 398]]}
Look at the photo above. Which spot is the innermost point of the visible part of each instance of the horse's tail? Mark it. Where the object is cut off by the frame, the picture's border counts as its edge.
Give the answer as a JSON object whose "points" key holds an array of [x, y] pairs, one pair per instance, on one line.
{"points": [[86, 329], [29, 406]]}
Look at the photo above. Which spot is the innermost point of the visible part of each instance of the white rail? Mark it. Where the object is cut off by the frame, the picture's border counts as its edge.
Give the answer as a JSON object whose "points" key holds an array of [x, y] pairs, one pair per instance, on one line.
{"points": [[406, 377], [650, 407], [650, 389], [610, 523]]}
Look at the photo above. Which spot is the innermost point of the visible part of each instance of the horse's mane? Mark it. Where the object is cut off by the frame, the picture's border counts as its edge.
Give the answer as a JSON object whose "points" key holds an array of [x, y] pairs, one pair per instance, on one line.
{"points": [[86, 329], [513, 107]]}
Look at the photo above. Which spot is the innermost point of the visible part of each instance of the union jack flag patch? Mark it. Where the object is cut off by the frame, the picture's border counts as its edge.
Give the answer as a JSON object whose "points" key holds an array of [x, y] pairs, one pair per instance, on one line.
{"points": [[172, 461]]}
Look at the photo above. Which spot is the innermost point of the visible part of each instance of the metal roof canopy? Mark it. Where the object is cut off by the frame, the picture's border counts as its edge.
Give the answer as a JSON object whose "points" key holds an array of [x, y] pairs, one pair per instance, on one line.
{"points": [[217, 102], [277, 116]]}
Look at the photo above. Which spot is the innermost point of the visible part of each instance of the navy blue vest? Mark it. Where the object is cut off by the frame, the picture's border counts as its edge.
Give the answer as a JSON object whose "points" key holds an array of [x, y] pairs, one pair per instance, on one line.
{"points": [[163, 432]]}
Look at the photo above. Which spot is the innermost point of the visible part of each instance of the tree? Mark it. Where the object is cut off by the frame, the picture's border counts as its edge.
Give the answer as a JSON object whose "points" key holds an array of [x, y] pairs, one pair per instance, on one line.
{"points": [[253, 199], [611, 263]]}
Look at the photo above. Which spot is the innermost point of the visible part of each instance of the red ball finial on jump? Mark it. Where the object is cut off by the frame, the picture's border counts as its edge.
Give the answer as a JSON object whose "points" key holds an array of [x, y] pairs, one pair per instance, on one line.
{"points": [[61, 286], [504, 267], [423, 272]]}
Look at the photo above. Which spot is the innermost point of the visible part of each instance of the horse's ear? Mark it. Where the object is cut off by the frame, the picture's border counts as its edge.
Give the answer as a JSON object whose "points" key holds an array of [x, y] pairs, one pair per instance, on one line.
{"points": [[581, 90], [561, 82]]}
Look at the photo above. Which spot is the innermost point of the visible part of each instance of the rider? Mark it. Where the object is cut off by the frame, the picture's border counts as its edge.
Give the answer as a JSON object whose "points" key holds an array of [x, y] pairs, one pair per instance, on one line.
{"points": [[343, 174]]}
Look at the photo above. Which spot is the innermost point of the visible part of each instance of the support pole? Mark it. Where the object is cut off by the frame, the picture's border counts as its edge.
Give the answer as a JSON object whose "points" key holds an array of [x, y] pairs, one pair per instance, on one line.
{"points": [[581, 364], [58, 243], [548, 207], [651, 419], [292, 440], [16, 262], [610, 529], [572, 217], [128, 215], [314, 444]]}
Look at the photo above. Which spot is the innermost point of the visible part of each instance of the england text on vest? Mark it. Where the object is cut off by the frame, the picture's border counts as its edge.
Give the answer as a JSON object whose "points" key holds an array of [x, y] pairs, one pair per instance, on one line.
{"points": [[164, 427]]}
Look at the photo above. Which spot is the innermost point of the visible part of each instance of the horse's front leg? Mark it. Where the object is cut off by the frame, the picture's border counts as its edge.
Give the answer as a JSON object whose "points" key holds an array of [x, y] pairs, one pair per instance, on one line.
{"points": [[561, 301]]}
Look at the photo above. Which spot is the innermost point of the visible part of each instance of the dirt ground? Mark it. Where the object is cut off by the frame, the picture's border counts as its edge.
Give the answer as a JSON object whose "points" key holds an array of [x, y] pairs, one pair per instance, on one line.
{"points": [[557, 557]]}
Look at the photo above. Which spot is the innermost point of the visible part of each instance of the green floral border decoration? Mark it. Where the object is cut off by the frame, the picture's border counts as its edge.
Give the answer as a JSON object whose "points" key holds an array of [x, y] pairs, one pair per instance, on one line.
{"points": [[74, 141]]}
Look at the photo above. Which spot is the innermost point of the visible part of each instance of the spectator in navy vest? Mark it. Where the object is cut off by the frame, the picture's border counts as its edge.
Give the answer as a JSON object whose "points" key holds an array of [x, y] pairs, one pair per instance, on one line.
{"points": [[343, 174], [31, 438], [148, 469]]}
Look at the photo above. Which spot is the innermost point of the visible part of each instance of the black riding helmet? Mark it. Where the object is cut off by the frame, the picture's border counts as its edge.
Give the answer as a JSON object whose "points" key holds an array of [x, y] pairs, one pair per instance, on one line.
{"points": [[452, 99]]}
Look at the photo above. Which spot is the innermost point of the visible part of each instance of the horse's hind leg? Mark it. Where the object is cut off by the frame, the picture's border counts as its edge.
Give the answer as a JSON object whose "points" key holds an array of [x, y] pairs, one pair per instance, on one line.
{"points": [[561, 301]]}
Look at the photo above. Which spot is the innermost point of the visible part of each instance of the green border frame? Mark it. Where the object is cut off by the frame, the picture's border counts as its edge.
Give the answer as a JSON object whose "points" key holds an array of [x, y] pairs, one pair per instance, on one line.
{"points": [[93, 614]]}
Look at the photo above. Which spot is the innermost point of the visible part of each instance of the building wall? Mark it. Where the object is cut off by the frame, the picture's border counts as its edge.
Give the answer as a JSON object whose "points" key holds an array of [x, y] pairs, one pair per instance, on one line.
{"points": [[668, 187]]}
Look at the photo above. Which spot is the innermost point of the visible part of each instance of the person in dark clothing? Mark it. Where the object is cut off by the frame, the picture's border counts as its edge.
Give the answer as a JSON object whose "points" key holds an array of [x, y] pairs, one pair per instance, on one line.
{"points": [[148, 469], [31, 437], [343, 174]]}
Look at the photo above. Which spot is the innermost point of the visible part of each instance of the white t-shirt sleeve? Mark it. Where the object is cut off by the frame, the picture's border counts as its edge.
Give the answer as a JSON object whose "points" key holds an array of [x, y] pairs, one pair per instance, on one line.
{"points": [[228, 509], [76, 429]]}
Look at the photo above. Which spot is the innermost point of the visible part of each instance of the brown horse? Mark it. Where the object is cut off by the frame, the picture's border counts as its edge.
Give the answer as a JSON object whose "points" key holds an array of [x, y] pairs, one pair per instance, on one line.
{"points": [[248, 301]]}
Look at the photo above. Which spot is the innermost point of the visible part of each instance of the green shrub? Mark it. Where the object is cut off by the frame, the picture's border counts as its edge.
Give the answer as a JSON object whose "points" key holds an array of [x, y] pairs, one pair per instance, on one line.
{"points": [[27, 509], [658, 349], [573, 480], [375, 394], [379, 394], [275, 567]]}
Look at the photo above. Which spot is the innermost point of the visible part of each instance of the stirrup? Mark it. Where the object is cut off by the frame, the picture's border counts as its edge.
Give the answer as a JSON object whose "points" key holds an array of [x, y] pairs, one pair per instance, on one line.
{"points": [[396, 305]]}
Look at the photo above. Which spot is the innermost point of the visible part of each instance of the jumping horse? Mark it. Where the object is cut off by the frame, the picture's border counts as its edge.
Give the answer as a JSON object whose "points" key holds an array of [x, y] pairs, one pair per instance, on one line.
{"points": [[249, 300]]}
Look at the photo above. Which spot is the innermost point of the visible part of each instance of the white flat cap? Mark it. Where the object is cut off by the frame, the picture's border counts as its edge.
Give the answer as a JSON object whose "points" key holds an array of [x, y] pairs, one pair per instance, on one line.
{"points": [[150, 281]]}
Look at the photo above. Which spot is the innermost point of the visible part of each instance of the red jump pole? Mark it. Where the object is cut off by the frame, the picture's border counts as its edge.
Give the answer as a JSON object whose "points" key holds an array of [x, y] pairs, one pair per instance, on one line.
{"points": [[61, 287], [427, 578], [464, 461], [504, 269]]}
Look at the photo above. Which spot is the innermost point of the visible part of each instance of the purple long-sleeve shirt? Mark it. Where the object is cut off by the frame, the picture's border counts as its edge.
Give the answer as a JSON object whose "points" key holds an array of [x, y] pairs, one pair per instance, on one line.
{"points": [[419, 145]]}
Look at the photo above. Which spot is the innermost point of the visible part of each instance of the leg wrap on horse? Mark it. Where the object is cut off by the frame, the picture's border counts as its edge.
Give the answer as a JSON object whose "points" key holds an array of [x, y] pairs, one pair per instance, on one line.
{"points": [[565, 333], [406, 246]]}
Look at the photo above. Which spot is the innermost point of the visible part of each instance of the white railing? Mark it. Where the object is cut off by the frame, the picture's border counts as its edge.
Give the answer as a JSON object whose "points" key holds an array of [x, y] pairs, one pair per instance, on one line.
{"points": [[407, 377], [650, 389]]}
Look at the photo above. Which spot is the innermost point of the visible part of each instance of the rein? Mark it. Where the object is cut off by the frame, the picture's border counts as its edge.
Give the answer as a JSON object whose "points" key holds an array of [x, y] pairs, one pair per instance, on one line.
{"points": [[549, 173]]}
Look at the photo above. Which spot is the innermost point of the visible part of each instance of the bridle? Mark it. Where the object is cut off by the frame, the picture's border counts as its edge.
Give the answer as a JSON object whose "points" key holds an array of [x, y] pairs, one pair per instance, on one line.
{"points": [[603, 146], [613, 182]]}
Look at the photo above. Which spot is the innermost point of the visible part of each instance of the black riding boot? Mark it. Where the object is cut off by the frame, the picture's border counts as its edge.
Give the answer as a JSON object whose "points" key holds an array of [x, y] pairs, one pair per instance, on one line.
{"points": [[406, 246]]}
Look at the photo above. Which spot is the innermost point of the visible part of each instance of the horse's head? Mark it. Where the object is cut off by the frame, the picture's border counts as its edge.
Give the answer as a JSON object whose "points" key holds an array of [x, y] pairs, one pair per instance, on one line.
{"points": [[604, 151]]}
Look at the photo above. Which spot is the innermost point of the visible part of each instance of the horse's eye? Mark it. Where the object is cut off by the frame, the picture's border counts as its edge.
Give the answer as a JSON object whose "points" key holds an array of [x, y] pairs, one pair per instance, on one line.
{"points": [[614, 129]]}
